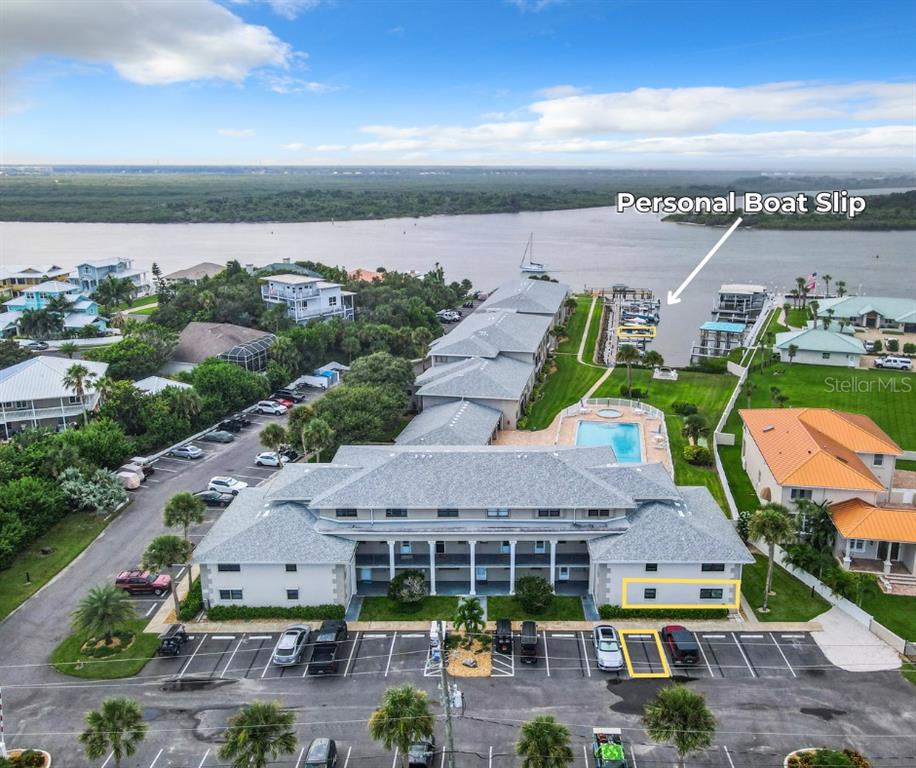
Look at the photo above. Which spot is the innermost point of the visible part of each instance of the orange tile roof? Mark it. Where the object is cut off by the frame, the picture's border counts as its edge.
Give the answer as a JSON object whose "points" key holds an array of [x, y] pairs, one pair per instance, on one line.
{"points": [[365, 274], [857, 519], [817, 447]]}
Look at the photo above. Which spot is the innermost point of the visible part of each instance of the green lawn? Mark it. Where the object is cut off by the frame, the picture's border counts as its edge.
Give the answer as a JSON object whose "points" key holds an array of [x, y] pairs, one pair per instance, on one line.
{"points": [[142, 301], [575, 325], [561, 608], [793, 600], [67, 658], [907, 465], [145, 311], [896, 612], [67, 538], [433, 607], [798, 318]]}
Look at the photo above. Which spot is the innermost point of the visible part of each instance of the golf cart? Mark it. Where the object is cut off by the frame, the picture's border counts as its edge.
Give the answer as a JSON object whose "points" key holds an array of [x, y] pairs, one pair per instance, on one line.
{"points": [[607, 747]]}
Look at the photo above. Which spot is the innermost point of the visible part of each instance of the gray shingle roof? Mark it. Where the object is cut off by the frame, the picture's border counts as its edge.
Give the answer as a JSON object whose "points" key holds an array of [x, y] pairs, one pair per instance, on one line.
{"points": [[458, 423], [691, 531], [500, 378], [642, 482], [199, 340], [486, 334], [252, 530], [532, 297], [303, 482]]}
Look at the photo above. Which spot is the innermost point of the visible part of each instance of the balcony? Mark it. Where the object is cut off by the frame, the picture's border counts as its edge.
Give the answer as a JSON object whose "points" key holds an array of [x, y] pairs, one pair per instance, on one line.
{"points": [[9, 415], [481, 560]]}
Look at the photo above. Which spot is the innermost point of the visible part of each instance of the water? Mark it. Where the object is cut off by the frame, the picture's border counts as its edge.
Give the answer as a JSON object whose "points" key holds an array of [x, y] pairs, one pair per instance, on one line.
{"points": [[589, 247], [625, 439]]}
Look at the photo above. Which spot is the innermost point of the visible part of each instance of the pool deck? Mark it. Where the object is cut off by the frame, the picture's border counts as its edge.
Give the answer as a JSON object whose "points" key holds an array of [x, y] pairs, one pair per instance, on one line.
{"points": [[562, 431]]}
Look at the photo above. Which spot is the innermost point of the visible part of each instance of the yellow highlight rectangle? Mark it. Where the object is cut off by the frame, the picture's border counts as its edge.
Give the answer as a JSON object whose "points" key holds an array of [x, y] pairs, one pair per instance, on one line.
{"points": [[658, 644], [624, 603]]}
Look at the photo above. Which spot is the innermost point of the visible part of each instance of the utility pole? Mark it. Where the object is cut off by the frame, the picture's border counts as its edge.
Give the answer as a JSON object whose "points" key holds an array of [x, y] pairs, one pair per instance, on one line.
{"points": [[445, 696]]}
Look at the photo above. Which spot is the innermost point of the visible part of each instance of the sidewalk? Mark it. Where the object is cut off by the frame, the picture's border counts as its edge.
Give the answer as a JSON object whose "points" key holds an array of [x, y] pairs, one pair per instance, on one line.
{"points": [[850, 646]]}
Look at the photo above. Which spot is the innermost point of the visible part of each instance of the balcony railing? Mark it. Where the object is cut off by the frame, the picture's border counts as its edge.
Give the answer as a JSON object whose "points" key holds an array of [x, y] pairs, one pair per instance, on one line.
{"points": [[39, 414], [488, 559]]}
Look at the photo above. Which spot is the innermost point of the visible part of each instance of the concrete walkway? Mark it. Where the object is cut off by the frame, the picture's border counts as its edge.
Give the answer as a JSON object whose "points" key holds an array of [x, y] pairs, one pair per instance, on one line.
{"points": [[851, 646]]}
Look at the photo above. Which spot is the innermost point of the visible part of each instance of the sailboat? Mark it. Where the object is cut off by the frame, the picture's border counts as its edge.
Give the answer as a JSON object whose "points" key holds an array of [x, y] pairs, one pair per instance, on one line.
{"points": [[527, 264]]}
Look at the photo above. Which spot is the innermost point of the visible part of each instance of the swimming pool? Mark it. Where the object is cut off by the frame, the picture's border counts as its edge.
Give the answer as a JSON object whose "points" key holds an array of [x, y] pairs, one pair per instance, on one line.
{"points": [[625, 439]]}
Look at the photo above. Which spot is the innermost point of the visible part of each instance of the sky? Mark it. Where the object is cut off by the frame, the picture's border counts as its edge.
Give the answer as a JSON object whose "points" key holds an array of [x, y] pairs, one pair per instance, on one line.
{"points": [[625, 84]]}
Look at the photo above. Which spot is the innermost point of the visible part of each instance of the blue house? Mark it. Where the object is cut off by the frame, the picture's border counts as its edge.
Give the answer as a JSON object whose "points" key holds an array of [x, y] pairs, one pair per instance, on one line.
{"points": [[90, 273], [81, 310]]}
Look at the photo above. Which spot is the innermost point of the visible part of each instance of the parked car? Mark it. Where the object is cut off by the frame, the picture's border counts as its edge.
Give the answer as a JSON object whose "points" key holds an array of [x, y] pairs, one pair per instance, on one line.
{"points": [[130, 481], [502, 639], [270, 459], [322, 753], [607, 648], [143, 582], [529, 643], [285, 402], [894, 363], [241, 418], [37, 346], [171, 640], [271, 407], [147, 467], [291, 646], [869, 345], [186, 452], [218, 436], [421, 754], [287, 394], [328, 640], [135, 469], [681, 644], [468, 304], [229, 425], [290, 454], [226, 485], [215, 498]]}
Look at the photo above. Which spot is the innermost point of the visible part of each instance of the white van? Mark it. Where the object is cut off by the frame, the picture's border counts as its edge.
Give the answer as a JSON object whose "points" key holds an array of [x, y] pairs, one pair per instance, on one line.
{"points": [[896, 363]]}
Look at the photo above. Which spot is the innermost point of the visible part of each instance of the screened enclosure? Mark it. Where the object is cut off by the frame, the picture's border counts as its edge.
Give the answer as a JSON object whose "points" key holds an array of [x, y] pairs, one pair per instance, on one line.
{"points": [[250, 355]]}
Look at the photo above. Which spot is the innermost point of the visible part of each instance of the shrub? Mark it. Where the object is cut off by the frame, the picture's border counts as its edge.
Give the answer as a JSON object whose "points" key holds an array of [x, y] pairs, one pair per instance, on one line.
{"points": [[193, 602], [247, 612], [697, 455], [616, 612], [893, 345], [828, 758], [28, 759], [408, 589], [879, 346], [683, 408], [744, 520], [909, 348], [533, 593], [634, 393]]}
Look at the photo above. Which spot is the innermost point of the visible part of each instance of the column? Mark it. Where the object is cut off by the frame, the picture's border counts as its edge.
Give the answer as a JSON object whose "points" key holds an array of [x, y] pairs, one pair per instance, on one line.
{"points": [[887, 563], [353, 575], [512, 544], [432, 567], [391, 560], [847, 556], [553, 562], [473, 544]]}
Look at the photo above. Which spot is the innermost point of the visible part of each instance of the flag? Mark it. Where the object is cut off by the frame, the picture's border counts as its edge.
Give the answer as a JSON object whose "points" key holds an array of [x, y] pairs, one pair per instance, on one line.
{"points": [[811, 282]]}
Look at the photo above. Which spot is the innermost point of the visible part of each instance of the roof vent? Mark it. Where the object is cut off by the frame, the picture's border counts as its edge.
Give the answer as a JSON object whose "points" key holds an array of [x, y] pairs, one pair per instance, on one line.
{"points": [[769, 428]]}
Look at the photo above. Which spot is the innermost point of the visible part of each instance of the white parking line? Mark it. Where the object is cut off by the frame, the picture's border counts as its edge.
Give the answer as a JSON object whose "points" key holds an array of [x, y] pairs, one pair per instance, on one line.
{"points": [[266, 666], [222, 637], [229, 663], [588, 666], [204, 759], [728, 756], [792, 637], [710, 637], [151, 609], [442, 763], [491, 757], [347, 760], [741, 651], [181, 572], [783, 656], [390, 653], [752, 637], [165, 469], [546, 655], [559, 634], [156, 758], [203, 639], [703, 654], [248, 477], [108, 759], [260, 637], [415, 635], [585, 756], [373, 637], [299, 759], [394, 762], [352, 653]]}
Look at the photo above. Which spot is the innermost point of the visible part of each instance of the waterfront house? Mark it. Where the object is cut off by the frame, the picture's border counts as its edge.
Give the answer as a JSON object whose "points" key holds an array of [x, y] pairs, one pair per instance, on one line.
{"points": [[195, 274], [487, 334], [880, 312], [717, 339], [739, 303], [815, 346], [307, 298], [15, 278], [80, 312], [89, 274]]}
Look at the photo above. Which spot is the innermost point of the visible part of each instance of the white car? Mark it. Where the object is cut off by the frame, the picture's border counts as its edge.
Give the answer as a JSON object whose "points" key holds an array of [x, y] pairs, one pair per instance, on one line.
{"points": [[894, 363], [269, 406], [607, 647], [270, 459], [226, 485]]}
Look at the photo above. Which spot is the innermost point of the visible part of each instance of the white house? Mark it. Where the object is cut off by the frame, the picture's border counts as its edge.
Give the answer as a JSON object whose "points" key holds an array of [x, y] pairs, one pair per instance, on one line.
{"points": [[815, 346], [307, 298]]}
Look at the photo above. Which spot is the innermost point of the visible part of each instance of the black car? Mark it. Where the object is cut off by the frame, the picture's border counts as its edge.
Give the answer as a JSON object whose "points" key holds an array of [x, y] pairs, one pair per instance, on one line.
{"points": [[326, 647], [241, 418], [529, 643], [171, 640], [290, 454], [682, 645], [217, 436], [229, 425], [287, 394], [215, 498], [322, 753], [502, 640]]}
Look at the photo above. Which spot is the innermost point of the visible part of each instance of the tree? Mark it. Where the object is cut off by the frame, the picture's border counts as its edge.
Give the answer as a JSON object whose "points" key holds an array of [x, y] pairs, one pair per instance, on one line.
{"points": [[805, 557], [421, 338], [11, 353], [628, 354], [544, 743], [166, 552], [469, 615], [772, 524], [78, 378], [695, 426], [362, 413], [284, 352], [793, 351], [382, 369], [571, 304], [316, 436], [401, 719], [408, 589], [826, 278], [815, 524], [679, 715], [225, 387], [827, 318], [117, 726], [533, 593], [184, 403], [846, 584], [103, 611], [69, 349], [841, 288], [801, 282], [184, 510], [39, 324], [350, 346], [259, 732], [653, 359], [748, 389], [272, 437], [775, 393]]}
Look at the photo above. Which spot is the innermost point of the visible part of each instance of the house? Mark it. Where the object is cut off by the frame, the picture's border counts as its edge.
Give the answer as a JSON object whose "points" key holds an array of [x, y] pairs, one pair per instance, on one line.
{"points": [[460, 422], [153, 385], [195, 274], [473, 520], [32, 394], [818, 454], [487, 334], [367, 275], [78, 310], [286, 267], [246, 347], [307, 298], [884, 536], [815, 346], [530, 297], [15, 278], [881, 312], [89, 274]]}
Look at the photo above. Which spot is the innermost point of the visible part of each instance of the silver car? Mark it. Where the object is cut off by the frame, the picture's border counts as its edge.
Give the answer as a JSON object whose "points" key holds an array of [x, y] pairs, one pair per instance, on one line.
{"points": [[291, 646], [186, 452], [607, 647]]}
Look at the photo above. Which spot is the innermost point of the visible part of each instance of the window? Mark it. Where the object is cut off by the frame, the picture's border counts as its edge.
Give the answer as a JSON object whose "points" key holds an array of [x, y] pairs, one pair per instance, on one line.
{"points": [[504, 547], [346, 512], [710, 594], [712, 567], [292, 594], [651, 567], [290, 567], [599, 513], [74, 399], [800, 493], [648, 594], [395, 513], [16, 405], [539, 547], [878, 460], [224, 567], [825, 355], [448, 513], [857, 544], [406, 548], [440, 547], [332, 301], [230, 594], [548, 513], [501, 512]]}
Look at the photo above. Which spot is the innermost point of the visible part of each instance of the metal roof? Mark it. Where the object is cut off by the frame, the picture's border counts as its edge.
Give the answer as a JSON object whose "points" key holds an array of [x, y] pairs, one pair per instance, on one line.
{"points": [[42, 378], [715, 325], [899, 310], [818, 340]]}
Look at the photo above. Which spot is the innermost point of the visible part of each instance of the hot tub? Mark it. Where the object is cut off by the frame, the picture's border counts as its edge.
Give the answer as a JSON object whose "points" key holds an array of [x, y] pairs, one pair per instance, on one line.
{"points": [[609, 413]]}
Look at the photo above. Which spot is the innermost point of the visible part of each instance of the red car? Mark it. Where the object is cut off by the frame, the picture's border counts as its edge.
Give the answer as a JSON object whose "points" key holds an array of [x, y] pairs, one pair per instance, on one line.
{"points": [[283, 401], [143, 582]]}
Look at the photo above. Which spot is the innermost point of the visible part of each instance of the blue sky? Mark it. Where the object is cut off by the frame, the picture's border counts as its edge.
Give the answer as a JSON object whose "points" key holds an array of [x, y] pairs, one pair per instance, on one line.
{"points": [[802, 85]]}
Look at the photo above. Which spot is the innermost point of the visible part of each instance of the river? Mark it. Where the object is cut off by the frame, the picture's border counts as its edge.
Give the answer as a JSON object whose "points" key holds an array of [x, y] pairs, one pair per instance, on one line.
{"points": [[589, 247]]}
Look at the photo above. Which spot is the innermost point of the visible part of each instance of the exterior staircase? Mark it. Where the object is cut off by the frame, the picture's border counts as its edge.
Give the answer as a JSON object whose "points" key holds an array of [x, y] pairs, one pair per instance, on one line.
{"points": [[891, 582]]}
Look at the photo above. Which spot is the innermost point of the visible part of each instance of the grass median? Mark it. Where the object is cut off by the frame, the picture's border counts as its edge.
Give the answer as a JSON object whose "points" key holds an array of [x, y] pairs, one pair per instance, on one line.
{"points": [[384, 609], [793, 600], [70, 659], [561, 608]]}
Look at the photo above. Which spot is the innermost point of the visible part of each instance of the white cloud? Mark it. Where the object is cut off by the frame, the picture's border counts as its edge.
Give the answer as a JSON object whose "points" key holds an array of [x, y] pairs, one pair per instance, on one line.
{"points": [[299, 147], [168, 41], [559, 91], [288, 9], [533, 6], [288, 84], [236, 133], [294, 147]]}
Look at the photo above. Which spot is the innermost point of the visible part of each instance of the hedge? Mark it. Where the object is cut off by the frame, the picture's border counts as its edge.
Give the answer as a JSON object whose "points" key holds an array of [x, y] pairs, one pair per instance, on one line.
{"points": [[193, 602], [245, 612], [616, 612]]}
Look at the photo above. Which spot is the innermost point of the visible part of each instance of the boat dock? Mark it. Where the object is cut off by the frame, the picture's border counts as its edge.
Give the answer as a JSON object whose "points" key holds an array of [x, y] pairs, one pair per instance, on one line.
{"points": [[629, 316]]}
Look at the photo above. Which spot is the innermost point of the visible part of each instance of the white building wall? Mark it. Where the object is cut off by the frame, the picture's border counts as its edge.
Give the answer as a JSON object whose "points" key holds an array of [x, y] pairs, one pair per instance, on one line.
{"points": [[266, 584], [610, 584], [510, 408], [810, 357]]}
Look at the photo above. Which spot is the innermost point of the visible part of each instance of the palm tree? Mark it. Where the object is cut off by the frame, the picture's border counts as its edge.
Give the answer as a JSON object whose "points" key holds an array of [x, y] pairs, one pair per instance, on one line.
{"points": [[815, 524], [544, 743], [117, 726], [775, 393], [184, 510], [402, 718], [841, 288], [36, 324], [77, 378], [802, 290], [653, 359], [846, 584], [165, 552], [773, 524], [826, 278], [272, 437], [748, 389], [694, 427], [103, 611], [792, 349], [680, 716], [469, 615], [185, 403], [58, 306], [69, 349], [284, 351], [259, 732], [828, 317], [421, 337], [316, 436], [813, 306], [628, 354], [350, 345]]}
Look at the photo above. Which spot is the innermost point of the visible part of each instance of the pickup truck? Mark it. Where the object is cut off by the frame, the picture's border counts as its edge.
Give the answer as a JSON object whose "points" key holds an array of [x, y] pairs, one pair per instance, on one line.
{"points": [[326, 647]]}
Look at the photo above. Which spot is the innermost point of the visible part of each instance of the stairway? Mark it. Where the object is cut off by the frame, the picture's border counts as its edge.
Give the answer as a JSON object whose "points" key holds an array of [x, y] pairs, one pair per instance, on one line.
{"points": [[891, 581], [590, 609]]}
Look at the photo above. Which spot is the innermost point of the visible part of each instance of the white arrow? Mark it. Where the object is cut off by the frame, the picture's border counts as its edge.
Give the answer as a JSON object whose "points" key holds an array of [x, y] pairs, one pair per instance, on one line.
{"points": [[673, 297]]}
